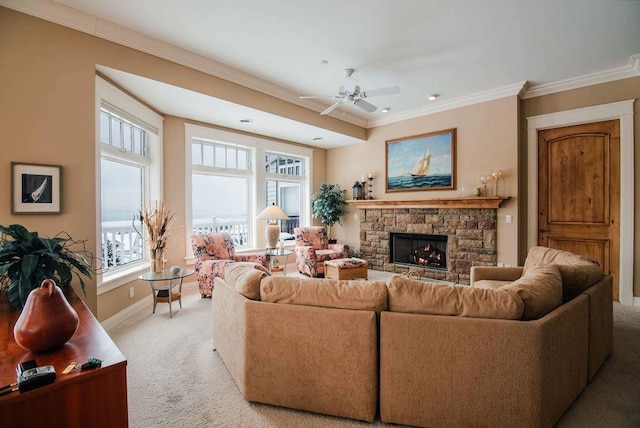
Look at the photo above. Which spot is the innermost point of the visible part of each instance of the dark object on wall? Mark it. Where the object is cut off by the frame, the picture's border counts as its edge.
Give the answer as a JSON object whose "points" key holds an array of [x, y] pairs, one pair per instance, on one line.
{"points": [[35, 189]]}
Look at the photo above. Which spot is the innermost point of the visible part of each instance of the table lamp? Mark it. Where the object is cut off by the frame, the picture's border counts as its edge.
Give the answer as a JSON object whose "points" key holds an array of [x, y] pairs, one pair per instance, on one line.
{"points": [[272, 230]]}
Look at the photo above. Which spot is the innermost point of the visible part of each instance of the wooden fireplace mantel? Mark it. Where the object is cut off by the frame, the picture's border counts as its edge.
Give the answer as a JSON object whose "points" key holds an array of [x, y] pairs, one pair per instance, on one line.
{"points": [[460, 202]]}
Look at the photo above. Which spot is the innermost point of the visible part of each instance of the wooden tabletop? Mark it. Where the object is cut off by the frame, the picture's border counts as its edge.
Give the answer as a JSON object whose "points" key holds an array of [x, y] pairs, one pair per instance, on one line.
{"points": [[89, 341]]}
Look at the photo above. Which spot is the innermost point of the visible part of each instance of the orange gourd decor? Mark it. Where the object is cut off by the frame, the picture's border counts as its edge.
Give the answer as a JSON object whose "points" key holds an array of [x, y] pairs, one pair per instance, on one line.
{"points": [[47, 321]]}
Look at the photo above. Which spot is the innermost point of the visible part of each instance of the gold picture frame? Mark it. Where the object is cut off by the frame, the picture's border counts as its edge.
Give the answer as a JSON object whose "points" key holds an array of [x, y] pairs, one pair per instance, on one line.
{"points": [[421, 162]]}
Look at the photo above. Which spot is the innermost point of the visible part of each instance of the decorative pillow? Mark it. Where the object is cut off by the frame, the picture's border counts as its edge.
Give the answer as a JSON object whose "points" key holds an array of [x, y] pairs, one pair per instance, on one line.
{"points": [[578, 272], [330, 293], [410, 295], [540, 288], [245, 278]]}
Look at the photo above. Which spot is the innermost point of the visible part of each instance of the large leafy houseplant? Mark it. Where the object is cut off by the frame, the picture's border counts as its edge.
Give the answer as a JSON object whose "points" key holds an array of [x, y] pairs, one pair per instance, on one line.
{"points": [[328, 204], [27, 259]]}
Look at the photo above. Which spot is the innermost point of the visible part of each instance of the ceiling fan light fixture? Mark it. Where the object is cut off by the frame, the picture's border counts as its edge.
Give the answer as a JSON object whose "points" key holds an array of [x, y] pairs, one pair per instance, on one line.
{"points": [[433, 97]]}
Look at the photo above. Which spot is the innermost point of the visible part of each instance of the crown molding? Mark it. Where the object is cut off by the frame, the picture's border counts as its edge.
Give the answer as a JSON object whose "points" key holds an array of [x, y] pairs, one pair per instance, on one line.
{"points": [[68, 17], [516, 89], [630, 70], [107, 30]]}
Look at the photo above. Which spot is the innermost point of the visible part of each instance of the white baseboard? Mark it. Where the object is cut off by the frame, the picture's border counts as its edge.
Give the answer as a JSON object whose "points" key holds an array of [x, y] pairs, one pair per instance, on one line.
{"points": [[126, 313]]}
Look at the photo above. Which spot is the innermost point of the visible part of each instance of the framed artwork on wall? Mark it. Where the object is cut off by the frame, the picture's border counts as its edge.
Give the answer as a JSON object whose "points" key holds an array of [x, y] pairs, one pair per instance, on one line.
{"points": [[422, 162], [35, 188]]}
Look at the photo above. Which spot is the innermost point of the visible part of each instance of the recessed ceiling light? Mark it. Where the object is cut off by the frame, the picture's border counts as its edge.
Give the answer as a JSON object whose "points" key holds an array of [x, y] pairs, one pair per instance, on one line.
{"points": [[432, 97], [317, 138], [386, 109], [245, 120]]}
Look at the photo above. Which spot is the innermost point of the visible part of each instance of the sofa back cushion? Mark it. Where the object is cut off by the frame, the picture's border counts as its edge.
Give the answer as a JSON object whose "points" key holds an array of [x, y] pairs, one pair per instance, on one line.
{"points": [[245, 278], [410, 295], [540, 288], [330, 293], [578, 272]]}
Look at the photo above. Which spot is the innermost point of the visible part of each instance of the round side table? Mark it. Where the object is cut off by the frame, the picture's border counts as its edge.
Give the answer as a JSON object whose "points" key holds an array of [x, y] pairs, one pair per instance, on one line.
{"points": [[162, 284]]}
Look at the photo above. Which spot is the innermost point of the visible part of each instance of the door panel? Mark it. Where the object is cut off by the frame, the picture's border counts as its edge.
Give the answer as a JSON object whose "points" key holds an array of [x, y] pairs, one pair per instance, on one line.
{"points": [[579, 192], [594, 250]]}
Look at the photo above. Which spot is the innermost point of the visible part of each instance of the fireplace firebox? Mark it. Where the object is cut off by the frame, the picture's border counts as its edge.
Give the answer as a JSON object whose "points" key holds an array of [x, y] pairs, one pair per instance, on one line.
{"points": [[417, 249]]}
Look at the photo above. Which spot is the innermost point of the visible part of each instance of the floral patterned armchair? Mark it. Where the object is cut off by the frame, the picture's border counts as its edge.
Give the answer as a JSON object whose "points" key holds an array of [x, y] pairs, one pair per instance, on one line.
{"points": [[313, 248], [213, 252]]}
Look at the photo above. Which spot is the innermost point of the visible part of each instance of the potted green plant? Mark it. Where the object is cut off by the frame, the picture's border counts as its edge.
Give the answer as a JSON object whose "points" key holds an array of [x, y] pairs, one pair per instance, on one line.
{"points": [[27, 259], [328, 204]]}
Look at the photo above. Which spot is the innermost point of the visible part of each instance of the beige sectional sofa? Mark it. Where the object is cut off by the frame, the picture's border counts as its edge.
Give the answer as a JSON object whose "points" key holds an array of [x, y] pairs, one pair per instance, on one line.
{"points": [[309, 344], [515, 349]]}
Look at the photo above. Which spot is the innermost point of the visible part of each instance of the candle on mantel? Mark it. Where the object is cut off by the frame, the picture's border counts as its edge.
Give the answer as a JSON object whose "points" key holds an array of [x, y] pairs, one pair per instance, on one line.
{"points": [[370, 176], [362, 178]]}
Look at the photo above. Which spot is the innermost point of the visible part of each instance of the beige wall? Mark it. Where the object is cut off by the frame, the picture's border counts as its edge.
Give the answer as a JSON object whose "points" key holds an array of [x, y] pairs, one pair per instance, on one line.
{"points": [[47, 116], [585, 97], [487, 139], [47, 96]]}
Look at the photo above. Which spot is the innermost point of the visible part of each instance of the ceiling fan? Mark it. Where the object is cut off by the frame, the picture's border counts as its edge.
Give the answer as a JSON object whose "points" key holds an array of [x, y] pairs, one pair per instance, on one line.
{"points": [[351, 92]]}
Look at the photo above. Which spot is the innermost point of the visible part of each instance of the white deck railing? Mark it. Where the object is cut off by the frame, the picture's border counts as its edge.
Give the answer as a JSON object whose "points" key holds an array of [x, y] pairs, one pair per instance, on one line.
{"points": [[121, 243]]}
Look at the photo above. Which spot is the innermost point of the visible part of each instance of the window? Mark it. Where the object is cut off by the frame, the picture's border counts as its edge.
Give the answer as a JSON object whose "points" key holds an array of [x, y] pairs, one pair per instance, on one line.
{"points": [[128, 177], [285, 177], [233, 177], [221, 173]]}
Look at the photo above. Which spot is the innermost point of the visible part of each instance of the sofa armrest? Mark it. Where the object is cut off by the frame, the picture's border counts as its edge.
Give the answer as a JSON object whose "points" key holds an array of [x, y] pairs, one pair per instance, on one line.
{"points": [[600, 323], [479, 273]]}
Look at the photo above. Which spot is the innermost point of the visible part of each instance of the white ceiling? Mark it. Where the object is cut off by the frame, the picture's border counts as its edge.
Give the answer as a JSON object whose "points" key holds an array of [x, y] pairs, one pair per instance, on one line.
{"points": [[464, 50]]}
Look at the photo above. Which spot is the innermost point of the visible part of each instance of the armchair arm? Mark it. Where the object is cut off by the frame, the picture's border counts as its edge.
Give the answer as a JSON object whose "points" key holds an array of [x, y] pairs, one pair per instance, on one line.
{"points": [[306, 260], [261, 259], [495, 273], [342, 249]]}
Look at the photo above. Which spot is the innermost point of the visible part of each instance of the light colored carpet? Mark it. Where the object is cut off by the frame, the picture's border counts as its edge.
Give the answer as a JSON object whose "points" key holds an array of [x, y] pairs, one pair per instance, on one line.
{"points": [[175, 379]]}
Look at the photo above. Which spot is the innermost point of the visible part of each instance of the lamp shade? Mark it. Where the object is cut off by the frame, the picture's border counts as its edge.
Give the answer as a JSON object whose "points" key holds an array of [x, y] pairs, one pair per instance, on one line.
{"points": [[272, 212], [271, 230]]}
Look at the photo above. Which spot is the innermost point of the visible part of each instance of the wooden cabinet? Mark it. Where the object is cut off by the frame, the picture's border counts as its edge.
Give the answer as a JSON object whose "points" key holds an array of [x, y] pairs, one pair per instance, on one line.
{"points": [[90, 398]]}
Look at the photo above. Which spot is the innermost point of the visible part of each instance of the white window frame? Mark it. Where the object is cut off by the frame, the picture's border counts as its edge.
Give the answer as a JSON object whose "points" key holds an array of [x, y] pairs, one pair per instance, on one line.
{"points": [[123, 105], [258, 147]]}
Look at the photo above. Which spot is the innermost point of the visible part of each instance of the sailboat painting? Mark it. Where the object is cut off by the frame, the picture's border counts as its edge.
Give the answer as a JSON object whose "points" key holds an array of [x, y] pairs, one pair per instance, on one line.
{"points": [[35, 188], [423, 162]]}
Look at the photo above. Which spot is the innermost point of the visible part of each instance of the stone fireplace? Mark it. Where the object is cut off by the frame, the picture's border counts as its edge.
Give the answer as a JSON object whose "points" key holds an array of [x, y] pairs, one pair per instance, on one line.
{"points": [[464, 230]]}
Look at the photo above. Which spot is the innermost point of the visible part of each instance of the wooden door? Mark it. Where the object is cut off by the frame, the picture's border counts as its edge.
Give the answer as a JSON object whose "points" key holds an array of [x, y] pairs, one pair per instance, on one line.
{"points": [[579, 192]]}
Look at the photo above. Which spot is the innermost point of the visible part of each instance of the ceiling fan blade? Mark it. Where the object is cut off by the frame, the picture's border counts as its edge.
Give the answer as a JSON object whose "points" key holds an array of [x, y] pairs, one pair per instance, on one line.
{"points": [[391, 90], [318, 96], [368, 107], [333, 106]]}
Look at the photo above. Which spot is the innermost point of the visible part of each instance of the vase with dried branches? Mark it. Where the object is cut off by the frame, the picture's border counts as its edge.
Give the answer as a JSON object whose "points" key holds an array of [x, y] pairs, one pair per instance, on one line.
{"points": [[156, 220]]}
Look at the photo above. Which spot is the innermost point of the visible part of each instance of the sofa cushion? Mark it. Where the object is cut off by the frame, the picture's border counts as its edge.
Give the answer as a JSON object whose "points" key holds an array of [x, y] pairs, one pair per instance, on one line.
{"points": [[245, 278], [410, 295], [578, 272], [540, 288], [330, 293]]}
